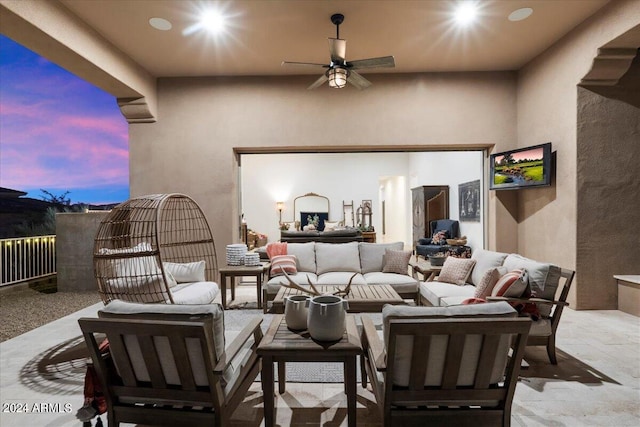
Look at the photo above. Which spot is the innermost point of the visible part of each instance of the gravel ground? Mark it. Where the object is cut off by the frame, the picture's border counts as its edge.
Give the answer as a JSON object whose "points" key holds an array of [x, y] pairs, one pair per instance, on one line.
{"points": [[24, 309]]}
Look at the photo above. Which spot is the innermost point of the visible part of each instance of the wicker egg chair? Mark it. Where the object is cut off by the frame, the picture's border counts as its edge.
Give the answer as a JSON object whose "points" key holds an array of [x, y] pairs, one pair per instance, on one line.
{"points": [[137, 240]]}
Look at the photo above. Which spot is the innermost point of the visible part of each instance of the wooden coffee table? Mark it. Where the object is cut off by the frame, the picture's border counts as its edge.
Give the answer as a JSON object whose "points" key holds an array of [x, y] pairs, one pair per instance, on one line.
{"points": [[281, 345], [362, 298]]}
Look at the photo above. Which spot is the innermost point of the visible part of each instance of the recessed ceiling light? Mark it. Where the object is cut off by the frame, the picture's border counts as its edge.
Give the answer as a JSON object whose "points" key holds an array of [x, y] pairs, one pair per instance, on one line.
{"points": [[160, 24], [466, 13], [212, 21], [520, 14]]}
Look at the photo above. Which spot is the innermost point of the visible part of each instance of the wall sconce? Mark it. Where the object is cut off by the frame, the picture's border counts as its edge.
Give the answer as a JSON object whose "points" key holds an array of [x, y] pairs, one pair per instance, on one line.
{"points": [[280, 207]]}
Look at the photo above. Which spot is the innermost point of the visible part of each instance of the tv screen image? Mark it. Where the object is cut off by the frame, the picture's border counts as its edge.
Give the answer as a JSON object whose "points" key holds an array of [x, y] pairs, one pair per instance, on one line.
{"points": [[521, 168]]}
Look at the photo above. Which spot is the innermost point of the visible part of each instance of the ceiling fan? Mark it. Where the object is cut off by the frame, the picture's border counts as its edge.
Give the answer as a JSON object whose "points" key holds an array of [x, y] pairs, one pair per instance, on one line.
{"points": [[339, 70]]}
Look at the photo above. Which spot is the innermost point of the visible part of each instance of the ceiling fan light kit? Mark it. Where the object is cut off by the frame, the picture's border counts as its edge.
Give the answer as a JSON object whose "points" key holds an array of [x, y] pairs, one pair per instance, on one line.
{"points": [[339, 70]]}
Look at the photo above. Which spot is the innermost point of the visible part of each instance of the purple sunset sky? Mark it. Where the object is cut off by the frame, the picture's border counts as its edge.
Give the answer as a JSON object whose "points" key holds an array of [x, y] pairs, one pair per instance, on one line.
{"points": [[58, 132]]}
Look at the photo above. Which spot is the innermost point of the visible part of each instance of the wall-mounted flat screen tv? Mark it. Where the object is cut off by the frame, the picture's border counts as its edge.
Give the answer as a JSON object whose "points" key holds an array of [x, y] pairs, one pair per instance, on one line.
{"points": [[521, 168]]}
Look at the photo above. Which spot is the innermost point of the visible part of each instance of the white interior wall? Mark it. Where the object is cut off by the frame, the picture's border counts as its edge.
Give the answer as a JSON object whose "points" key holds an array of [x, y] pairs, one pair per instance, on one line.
{"points": [[452, 168], [270, 178]]}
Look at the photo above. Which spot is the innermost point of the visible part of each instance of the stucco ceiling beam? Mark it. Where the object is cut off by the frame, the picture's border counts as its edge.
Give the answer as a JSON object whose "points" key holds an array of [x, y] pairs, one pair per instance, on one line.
{"points": [[53, 32]]}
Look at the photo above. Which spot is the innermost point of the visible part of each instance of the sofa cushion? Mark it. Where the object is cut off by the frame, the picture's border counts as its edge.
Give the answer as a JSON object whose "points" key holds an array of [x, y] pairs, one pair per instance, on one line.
{"points": [[435, 291], [437, 350], [305, 254], [488, 281], [300, 278], [456, 270], [396, 261], [195, 293], [484, 261], [340, 278], [281, 264], [186, 272], [543, 278], [171, 312], [372, 254], [337, 257], [379, 278]]}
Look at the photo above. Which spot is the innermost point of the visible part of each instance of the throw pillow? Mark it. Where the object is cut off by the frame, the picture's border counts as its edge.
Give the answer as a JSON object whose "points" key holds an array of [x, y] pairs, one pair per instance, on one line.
{"points": [[280, 263], [439, 238], [276, 248], [514, 284], [396, 261], [456, 270], [487, 283], [329, 226]]}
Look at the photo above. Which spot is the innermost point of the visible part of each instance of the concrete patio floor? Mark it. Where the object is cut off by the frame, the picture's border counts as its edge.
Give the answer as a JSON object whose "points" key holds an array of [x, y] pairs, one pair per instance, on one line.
{"points": [[596, 382]]}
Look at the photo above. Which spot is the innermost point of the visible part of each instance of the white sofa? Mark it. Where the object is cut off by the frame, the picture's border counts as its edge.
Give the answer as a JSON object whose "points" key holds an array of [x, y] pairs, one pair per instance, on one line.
{"points": [[548, 282], [336, 263], [543, 278]]}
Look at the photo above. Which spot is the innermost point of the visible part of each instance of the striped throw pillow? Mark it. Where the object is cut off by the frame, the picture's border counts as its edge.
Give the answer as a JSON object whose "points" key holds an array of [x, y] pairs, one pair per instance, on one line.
{"points": [[280, 263], [514, 284]]}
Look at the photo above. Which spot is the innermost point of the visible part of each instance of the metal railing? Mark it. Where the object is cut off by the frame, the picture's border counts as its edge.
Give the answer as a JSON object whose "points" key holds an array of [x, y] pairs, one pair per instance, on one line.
{"points": [[27, 258]]}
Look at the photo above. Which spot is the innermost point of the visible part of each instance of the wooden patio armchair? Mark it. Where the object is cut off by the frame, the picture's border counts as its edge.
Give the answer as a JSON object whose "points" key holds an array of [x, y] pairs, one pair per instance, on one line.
{"points": [[434, 367], [171, 366], [543, 330]]}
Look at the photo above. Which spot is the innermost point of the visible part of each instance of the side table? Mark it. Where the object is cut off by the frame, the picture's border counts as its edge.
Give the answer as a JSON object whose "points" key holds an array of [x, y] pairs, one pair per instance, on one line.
{"points": [[281, 345], [424, 267], [233, 271]]}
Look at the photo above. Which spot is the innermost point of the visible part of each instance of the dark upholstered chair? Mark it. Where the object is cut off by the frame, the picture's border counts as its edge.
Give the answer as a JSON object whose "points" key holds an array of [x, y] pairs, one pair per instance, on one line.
{"points": [[424, 246]]}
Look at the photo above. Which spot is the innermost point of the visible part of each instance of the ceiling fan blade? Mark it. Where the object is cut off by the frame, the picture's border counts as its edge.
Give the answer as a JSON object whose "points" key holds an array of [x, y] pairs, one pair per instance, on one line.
{"points": [[357, 80], [382, 62], [304, 64], [338, 50], [318, 82]]}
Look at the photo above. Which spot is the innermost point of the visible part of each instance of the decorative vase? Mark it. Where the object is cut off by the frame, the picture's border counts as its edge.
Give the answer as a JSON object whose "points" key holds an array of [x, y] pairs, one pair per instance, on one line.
{"points": [[326, 317], [296, 312]]}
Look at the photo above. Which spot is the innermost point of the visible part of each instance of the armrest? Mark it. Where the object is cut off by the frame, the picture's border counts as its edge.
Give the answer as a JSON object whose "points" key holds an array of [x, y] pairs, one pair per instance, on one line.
{"points": [[375, 347], [424, 241], [252, 328], [527, 300]]}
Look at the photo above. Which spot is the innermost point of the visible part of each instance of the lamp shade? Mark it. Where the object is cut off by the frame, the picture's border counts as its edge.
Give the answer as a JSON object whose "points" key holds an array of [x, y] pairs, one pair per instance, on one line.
{"points": [[338, 77], [280, 206]]}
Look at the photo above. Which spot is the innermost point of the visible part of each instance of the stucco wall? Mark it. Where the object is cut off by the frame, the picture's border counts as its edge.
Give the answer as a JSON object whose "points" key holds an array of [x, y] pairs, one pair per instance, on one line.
{"points": [[201, 120], [547, 111], [608, 208]]}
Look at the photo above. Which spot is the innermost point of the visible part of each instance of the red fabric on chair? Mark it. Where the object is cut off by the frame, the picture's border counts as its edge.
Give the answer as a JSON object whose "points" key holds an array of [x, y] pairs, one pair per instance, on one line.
{"points": [[276, 248]]}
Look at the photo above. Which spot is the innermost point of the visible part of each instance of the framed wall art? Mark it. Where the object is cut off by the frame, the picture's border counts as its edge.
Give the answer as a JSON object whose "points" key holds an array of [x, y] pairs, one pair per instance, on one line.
{"points": [[469, 201]]}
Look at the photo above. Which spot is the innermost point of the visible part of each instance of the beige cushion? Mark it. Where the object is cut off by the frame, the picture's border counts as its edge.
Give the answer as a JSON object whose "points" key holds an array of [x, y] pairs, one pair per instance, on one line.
{"points": [[435, 360], [372, 254], [456, 270], [145, 288], [340, 278], [484, 261], [195, 293], [396, 261], [329, 226], [543, 278], [132, 266], [170, 312], [337, 257], [187, 272], [305, 254], [434, 292]]}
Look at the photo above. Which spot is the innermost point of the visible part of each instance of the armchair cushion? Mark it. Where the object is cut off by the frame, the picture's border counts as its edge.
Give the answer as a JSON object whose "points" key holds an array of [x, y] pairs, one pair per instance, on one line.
{"points": [[440, 237], [186, 272], [171, 312], [437, 351]]}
